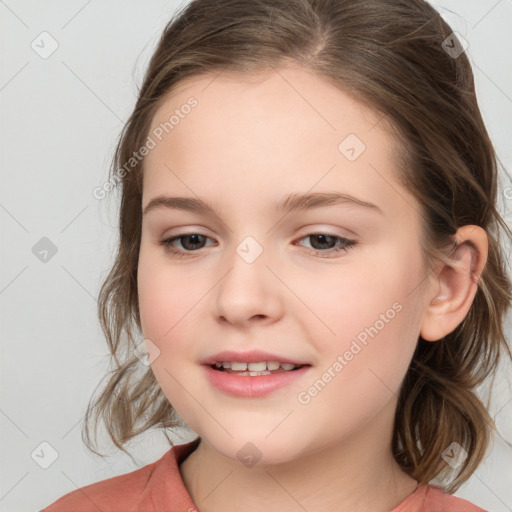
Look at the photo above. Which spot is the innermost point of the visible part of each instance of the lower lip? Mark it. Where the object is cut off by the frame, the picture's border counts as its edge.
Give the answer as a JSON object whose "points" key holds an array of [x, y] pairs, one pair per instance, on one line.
{"points": [[252, 387]]}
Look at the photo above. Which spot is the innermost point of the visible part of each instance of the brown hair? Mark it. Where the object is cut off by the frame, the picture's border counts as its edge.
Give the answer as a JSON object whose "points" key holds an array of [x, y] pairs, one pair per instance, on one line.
{"points": [[389, 55]]}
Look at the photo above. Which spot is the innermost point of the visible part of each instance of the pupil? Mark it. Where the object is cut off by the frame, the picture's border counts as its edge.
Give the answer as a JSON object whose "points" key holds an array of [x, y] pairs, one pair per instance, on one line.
{"points": [[313, 237], [195, 242]]}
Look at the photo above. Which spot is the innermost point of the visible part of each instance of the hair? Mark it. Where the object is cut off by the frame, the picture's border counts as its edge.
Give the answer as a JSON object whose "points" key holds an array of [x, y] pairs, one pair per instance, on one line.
{"points": [[389, 55]]}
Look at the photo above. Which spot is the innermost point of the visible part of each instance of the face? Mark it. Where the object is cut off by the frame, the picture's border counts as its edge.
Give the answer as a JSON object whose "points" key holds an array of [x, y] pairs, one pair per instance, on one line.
{"points": [[336, 286]]}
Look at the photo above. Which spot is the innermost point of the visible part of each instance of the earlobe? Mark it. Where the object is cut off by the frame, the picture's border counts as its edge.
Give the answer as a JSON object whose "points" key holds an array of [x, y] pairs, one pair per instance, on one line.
{"points": [[457, 284]]}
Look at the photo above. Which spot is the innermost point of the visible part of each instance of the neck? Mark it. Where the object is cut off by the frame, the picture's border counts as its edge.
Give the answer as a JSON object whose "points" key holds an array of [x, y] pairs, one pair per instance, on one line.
{"points": [[355, 475]]}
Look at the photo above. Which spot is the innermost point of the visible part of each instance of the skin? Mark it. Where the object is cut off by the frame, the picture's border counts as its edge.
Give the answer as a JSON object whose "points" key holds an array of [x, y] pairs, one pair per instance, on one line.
{"points": [[248, 143]]}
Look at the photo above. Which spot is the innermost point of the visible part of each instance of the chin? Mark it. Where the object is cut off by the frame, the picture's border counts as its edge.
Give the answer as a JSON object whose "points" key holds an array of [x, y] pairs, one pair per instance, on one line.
{"points": [[255, 449]]}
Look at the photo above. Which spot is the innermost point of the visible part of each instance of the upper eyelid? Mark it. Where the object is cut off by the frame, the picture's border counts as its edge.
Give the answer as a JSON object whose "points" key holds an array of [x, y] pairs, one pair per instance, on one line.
{"points": [[309, 231]]}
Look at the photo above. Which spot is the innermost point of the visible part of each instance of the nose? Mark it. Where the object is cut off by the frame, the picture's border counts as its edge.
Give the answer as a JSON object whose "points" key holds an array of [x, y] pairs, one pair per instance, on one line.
{"points": [[249, 292]]}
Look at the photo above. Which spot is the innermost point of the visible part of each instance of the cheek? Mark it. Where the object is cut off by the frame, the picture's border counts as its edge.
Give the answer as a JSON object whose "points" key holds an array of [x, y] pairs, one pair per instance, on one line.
{"points": [[166, 313], [162, 297], [152, 299], [170, 309], [361, 367], [369, 318]]}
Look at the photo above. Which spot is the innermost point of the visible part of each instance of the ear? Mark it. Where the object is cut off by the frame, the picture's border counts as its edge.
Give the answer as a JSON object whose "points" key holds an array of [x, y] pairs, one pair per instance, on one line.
{"points": [[457, 284]]}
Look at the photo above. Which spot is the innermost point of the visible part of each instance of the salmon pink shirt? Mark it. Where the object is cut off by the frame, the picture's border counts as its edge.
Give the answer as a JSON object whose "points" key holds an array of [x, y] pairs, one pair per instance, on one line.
{"points": [[158, 487]]}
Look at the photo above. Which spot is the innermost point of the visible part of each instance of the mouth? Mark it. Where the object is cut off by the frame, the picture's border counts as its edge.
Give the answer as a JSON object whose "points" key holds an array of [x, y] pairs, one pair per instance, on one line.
{"points": [[255, 369], [253, 374]]}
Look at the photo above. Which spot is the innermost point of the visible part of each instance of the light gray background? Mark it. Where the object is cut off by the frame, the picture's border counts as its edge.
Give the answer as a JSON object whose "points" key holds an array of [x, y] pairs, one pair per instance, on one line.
{"points": [[59, 121]]}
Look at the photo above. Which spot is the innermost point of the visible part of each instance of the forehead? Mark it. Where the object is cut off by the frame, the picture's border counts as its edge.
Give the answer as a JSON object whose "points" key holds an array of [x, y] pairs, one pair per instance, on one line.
{"points": [[285, 126], [292, 93]]}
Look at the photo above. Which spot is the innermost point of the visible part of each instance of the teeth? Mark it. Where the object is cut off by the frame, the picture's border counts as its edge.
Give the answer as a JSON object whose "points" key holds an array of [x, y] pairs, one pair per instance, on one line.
{"points": [[255, 367], [239, 366]]}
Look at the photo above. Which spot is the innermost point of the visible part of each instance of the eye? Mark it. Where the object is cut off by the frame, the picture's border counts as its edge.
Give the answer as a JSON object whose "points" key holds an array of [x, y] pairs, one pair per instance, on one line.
{"points": [[192, 242], [320, 240]]}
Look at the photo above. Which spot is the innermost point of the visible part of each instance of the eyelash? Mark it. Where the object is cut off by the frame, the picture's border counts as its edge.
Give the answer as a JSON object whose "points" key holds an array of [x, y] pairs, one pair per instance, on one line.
{"points": [[346, 244]]}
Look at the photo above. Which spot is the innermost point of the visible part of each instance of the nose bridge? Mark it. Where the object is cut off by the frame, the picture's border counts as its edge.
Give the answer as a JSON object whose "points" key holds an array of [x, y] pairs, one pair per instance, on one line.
{"points": [[248, 289]]}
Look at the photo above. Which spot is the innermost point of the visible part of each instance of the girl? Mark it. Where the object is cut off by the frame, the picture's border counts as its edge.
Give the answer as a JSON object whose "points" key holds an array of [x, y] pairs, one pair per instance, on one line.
{"points": [[310, 258]]}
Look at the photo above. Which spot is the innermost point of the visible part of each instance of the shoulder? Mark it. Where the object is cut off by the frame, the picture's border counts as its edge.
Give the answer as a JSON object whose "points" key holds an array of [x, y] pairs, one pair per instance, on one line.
{"points": [[436, 500], [121, 493]]}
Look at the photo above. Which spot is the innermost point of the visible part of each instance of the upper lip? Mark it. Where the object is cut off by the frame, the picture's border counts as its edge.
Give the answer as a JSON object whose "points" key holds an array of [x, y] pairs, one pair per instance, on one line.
{"points": [[253, 356]]}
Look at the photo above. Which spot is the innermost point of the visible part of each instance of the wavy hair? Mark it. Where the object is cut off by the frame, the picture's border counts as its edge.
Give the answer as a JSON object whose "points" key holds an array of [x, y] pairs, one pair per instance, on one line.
{"points": [[393, 56]]}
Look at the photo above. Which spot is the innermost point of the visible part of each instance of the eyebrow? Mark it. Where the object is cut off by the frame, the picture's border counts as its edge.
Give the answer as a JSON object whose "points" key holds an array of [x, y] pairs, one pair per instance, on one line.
{"points": [[292, 202]]}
